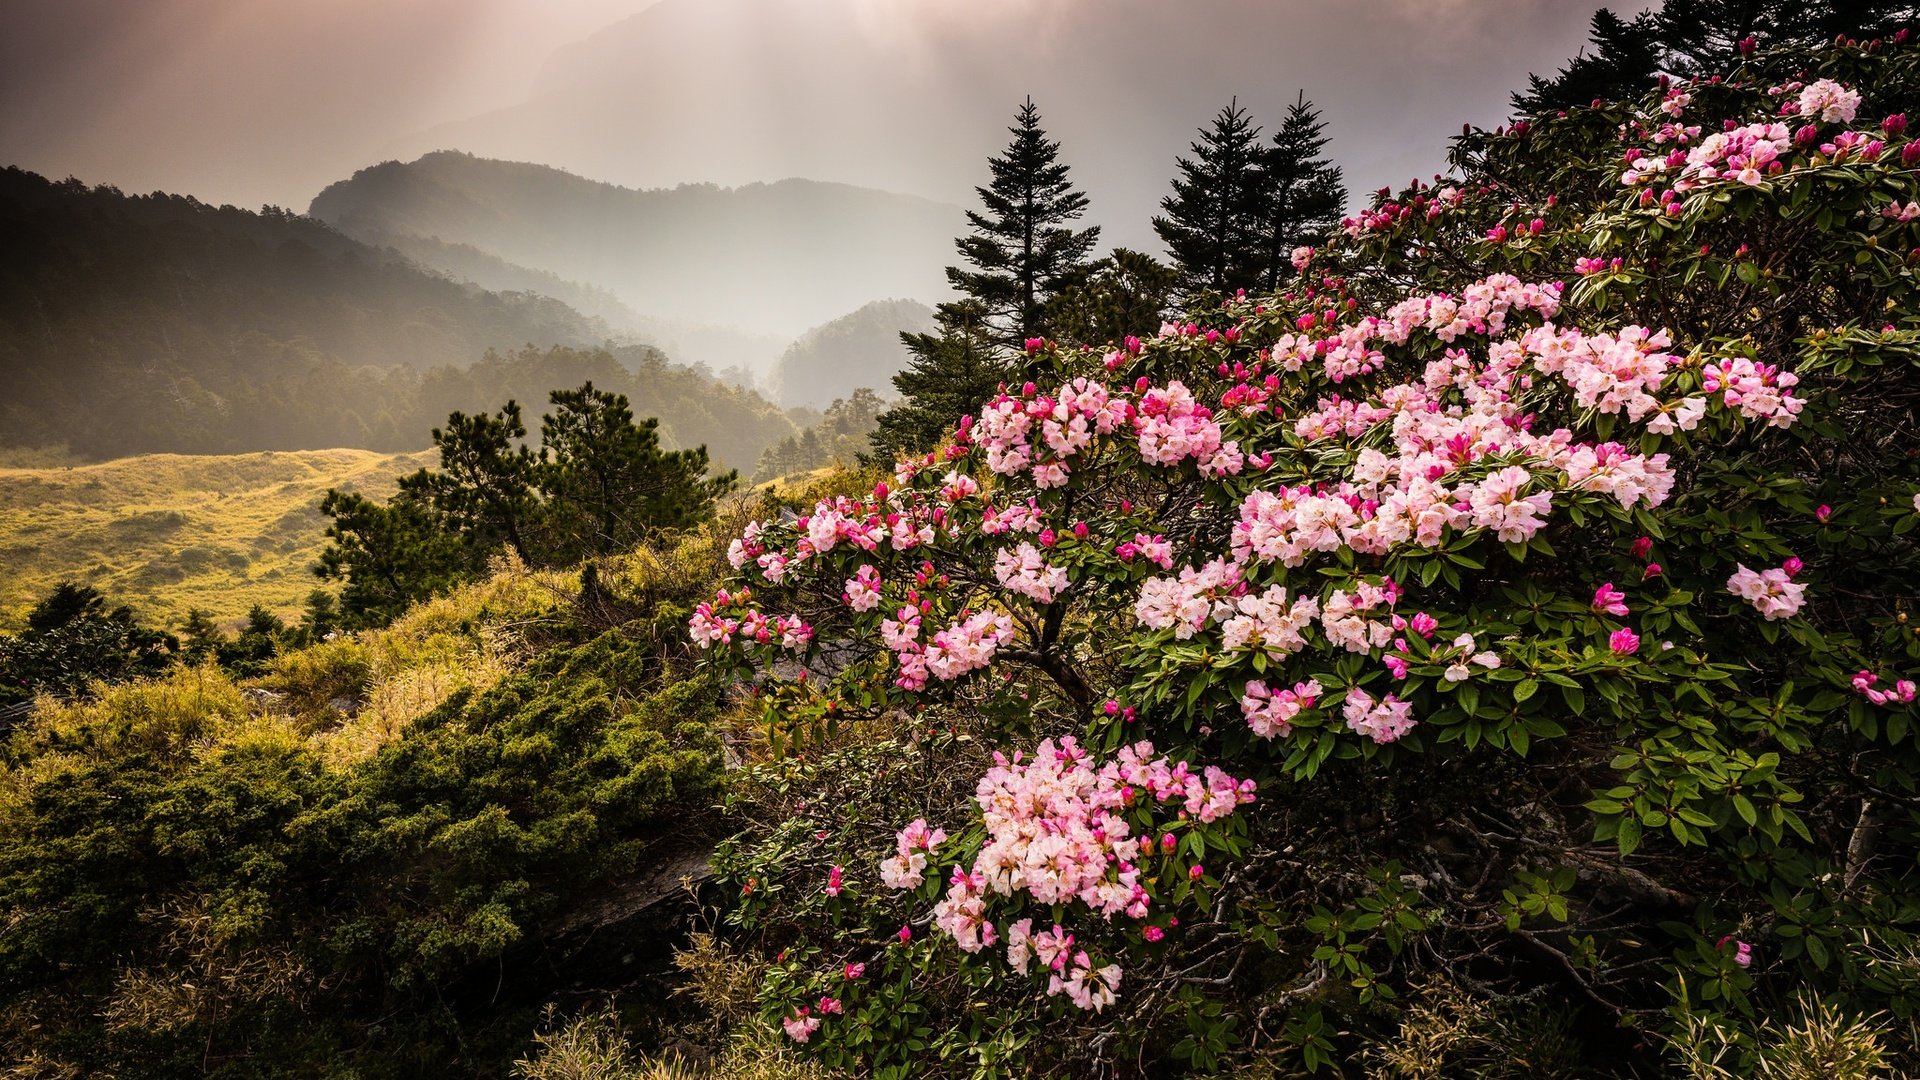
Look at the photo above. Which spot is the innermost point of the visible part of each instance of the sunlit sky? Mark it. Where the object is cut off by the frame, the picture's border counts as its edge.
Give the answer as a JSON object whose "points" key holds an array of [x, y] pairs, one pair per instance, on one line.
{"points": [[267, 101]]}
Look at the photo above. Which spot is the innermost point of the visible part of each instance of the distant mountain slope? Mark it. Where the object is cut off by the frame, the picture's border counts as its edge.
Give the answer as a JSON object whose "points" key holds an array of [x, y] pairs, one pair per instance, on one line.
{"points": [[859, 349], [768, 258], [167, 532], [155, 323], [716, 347]]}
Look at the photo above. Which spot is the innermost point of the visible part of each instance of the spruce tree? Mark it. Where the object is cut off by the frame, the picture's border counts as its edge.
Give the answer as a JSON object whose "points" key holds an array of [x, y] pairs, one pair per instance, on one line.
{"points": [[1021, 254], [1213, 220], [1023, 248], [1303, 192]]}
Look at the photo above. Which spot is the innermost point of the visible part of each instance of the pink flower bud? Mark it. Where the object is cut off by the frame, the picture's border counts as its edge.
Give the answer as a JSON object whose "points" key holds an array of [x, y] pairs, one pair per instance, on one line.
{"points": [[1823, 513], [906, 934], [1793, 567], [1196, 872]]}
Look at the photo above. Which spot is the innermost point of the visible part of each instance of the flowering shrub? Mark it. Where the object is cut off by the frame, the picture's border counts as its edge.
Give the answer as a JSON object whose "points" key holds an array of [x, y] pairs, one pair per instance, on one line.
{"points": [[1535, 584]]}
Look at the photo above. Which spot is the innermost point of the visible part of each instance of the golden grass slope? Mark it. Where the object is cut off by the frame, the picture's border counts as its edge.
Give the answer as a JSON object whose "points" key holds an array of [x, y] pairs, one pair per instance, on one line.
{"points": [[171, 532]]}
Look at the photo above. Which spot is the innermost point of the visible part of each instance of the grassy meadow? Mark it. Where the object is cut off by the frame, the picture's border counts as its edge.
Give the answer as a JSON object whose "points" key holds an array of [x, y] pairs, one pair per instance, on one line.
{"points": [[171, 532]]}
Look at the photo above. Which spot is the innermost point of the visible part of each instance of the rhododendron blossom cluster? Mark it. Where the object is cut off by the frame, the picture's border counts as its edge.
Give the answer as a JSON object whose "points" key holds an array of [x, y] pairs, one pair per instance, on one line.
{"points": [[1059, 830]]}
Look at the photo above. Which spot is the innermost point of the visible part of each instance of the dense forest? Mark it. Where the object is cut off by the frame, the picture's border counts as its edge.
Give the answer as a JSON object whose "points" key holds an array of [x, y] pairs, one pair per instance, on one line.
{"points": [[135, 324]]}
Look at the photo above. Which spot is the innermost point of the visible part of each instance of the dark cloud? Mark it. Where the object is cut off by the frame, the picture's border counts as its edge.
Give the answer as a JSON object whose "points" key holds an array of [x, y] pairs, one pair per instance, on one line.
{"points": [[253, 102]]}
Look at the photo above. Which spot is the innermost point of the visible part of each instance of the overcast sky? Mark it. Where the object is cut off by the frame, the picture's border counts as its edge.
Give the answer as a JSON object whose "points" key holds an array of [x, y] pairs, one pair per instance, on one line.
{"points": [[258, 101]]}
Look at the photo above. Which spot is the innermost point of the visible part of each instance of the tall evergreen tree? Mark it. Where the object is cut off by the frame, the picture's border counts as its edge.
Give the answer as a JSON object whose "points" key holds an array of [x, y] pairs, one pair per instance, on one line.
{"points": [[1022, 252], [1699, 38], [1303, 192], [1213, 220], [1023, 248]]}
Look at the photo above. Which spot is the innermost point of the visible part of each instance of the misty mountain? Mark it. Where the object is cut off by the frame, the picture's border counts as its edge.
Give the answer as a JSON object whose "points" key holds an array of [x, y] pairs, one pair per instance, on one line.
{"points": [[133, 324], [765, 258], [859, 349], [912, 95], [720, 348]]}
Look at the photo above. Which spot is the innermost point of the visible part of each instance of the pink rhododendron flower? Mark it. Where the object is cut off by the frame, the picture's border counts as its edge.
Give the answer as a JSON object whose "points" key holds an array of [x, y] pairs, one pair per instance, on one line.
{"points": [[800, 1026], [1383, 721], [1624, 641], [1609, 600], [1773, 593]]}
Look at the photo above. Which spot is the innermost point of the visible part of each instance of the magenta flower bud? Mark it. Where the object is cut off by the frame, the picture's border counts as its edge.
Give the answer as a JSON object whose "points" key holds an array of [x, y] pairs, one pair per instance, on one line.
{"points": [[1821, 515], [1168, 843], [1748, 44], [1196, 872], [1653, 570], [1643, 547], [1035, 344], [1047, 538], [1624, 641], [1112, 707], [1793, 567], [1895, 124], [906, 934], [1910, 153], [1080, 529]]}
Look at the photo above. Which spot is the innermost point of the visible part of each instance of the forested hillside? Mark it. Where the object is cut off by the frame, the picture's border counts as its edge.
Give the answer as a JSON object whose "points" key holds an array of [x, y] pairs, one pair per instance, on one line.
{"points": [[136, 324], [805, 251]]}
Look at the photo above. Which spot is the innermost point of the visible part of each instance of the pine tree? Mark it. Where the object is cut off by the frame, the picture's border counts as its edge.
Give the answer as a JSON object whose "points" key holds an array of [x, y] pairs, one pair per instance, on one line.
{"points": [[1023, 249], [1623, 60], [608, 484], [1304, 194], [484, 487], [1213, 220], [390, 555]]}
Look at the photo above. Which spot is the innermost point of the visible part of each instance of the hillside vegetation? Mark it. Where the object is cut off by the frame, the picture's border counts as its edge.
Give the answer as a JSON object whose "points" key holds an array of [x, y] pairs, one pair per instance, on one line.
{"points": [[170, 532]]}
